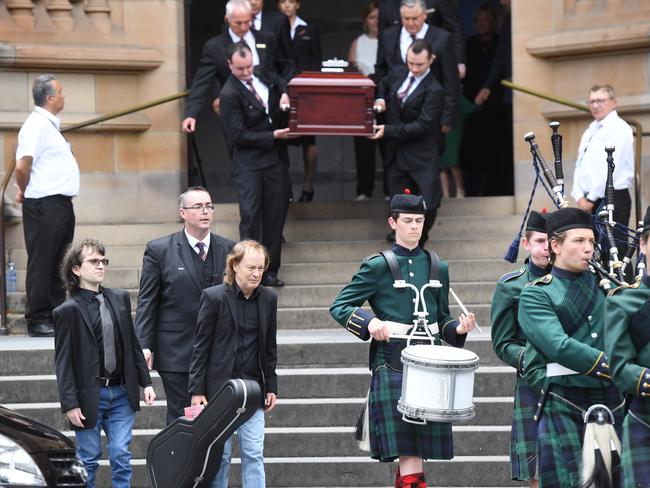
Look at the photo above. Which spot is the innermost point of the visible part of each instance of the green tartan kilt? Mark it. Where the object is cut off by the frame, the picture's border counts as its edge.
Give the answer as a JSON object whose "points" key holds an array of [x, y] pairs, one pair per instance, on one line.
{"points": [[523, 437], [390, 436], [635, 445], [561, 430]]}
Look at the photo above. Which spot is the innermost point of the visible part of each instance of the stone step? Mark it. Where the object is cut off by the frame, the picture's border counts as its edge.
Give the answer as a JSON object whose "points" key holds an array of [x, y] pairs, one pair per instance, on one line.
{"points": [[298, 318], [321, 273], [305, 296], [343, 229], [292, 383], [294, 412], [317, 349], [339, 441], [355, 472], [474, 247]]}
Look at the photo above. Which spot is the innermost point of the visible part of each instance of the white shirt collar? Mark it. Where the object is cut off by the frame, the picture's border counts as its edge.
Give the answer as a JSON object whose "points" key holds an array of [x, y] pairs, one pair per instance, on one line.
{"points": [[420, 34], [422, 76], [193, 240], [249, 38], [257, 20], [608, 119], [296, 23], [50, 116]]}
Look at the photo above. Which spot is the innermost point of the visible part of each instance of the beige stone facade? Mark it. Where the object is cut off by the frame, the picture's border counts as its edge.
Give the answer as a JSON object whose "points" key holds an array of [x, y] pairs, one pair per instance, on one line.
{"points": [[109, 55], [562, 47]]}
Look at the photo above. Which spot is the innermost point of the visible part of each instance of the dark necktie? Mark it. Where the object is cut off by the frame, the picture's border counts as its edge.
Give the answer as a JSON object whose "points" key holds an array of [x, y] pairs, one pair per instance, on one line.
{"points": [[402, 95], [254, 92], [108, 336], [413, 38], [201, 247]]}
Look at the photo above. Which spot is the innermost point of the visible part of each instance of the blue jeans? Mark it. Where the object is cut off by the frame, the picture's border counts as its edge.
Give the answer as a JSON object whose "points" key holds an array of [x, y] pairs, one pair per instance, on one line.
{"points": [[251, 447], [116, 417]]}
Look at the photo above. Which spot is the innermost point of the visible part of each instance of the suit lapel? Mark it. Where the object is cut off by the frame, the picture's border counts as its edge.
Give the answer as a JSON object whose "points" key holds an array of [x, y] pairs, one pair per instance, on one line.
{"points": [[261, 51], [184, 253], [250, 96], [232, 303], [84, 315]]}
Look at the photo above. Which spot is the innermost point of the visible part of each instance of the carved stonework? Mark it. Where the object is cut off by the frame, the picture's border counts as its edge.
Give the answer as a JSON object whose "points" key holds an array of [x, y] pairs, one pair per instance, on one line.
{"points": [[22, 13], [60, 12], [99, 13]]}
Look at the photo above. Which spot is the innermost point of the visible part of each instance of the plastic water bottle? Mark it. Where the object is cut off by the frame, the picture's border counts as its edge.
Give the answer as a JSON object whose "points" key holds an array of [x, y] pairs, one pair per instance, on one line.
{"points": [[11, 277]]}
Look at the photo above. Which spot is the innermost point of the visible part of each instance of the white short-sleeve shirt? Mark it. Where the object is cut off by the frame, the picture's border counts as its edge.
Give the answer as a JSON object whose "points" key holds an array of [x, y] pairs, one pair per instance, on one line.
{"points": [[54, 168]]}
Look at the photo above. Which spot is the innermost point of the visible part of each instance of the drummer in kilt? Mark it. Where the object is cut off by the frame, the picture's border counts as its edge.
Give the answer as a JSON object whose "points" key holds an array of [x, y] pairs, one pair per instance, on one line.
{"points": [[509, 343], [562, 317], [627, 341], [390, 437]]}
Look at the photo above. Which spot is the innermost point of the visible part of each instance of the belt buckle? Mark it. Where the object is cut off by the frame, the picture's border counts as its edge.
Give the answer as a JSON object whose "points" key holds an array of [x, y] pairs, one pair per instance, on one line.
{"points": [[103, 381]]}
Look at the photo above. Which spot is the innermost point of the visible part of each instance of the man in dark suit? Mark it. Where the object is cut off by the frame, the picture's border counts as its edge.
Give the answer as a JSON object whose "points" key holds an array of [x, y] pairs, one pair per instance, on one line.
{"points": [[391, 53], [213, 70], [99, 363], [250, 109], [175, 270], [413, 107], [441, 13], [236, 338], [273, 22]]}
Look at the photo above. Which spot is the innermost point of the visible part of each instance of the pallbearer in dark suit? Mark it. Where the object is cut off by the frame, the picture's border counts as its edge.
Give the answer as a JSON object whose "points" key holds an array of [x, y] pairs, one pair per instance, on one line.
{"points": [[394, 42], [305, 51], [175, 270], [213, 69], [99, 363], [627, 342], [273, 22], [250, 109], [509, 343], [413, 101]]}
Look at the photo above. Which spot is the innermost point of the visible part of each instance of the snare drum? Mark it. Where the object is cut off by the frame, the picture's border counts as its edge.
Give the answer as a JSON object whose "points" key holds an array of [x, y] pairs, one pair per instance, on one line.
{"points": [[437, 384]]}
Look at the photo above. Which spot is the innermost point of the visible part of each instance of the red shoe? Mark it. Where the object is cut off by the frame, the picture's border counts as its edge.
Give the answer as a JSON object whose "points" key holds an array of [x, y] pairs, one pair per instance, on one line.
{"points": [[414, 480]]}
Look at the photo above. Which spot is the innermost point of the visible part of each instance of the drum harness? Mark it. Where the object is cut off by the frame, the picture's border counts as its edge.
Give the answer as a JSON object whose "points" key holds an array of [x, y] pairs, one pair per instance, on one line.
{"points": [[420, 330]]}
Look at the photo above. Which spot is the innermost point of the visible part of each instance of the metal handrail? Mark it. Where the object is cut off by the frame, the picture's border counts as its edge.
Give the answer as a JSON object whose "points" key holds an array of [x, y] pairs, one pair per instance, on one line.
{"points": [[638, 137], [4, 330]]}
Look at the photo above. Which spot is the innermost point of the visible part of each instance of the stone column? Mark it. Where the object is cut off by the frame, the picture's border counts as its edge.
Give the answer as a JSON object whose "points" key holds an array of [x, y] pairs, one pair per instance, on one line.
{"points": [[60, 12], [99, 13], [22, 13]]}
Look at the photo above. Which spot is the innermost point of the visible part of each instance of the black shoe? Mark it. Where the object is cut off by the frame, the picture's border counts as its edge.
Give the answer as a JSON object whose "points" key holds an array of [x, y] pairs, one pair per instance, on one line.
{"points": [[273, 281], [306, 196], [42, 329]]}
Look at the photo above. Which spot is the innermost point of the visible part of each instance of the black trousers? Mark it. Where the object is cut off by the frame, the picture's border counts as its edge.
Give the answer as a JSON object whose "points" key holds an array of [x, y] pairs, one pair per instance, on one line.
{"points": [[424, 182], [48, 225], [175, 385], [365, 151], [262, 208], [622, 209]]}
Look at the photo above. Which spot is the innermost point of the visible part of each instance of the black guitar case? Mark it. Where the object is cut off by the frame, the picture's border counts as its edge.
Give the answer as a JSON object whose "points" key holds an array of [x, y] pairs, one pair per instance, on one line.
{"points": [[187, 453]]}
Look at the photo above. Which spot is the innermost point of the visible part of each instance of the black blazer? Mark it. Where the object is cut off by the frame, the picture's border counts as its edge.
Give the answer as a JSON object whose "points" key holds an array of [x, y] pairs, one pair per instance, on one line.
{"points": [[215, 345], [249, 133], [76, 355], [445, 15], [169, 295], [306, 47], [213, 70], [410, 129], [444, 67], [277, 24]]}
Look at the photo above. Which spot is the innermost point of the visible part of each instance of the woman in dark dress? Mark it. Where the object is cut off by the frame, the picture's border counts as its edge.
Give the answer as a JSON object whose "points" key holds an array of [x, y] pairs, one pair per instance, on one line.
{"points": [[306, 52]]}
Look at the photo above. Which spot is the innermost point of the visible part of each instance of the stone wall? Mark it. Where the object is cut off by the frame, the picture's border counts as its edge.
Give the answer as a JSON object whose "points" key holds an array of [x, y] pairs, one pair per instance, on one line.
{"points": [[562, 47], [109, 55]]}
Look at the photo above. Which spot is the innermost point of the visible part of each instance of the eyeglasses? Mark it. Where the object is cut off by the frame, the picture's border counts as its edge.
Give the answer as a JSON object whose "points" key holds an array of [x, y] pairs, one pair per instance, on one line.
{"points": [[209, 207], [96, 261], [597, 101]]}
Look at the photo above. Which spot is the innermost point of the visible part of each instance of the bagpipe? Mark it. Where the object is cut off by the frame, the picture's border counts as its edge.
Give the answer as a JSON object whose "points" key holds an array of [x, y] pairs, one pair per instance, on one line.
{"points": [[610, 233]]}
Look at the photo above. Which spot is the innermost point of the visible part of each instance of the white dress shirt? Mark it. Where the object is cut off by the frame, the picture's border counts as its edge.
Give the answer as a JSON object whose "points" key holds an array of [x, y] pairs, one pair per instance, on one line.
{"points": [[249, 39], [415, 84], [194, 240], [257, 21], [405, 39], [297, 22], [261, 89], [590, 175], [54, 168]]}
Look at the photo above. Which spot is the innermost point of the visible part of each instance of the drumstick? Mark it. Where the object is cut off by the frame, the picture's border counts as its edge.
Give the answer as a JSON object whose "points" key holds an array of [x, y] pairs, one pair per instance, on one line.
{"points": [[462, 307]]}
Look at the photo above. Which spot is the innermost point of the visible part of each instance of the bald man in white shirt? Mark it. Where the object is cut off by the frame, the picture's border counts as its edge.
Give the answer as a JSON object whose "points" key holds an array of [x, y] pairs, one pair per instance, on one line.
{"points": [[47, 177], [590, 175]]}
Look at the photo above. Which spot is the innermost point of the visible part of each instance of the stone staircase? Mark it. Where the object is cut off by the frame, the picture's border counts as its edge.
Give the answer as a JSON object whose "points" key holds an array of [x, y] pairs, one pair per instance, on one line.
{"points": [[323, 375]]}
